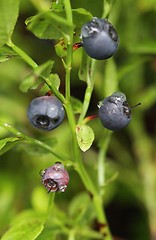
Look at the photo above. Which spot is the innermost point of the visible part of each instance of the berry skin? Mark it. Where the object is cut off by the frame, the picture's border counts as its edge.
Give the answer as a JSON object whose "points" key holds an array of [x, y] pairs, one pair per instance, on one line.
{"points": [[55, 178], [46, 112], [114, 111], [99, 38]]}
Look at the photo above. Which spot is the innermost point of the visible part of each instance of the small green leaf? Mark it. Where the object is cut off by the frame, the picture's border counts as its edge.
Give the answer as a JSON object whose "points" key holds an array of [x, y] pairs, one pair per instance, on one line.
{"points": [[27, 83], [58, 6], [44, 69], [78, 203], [7, 143], [81, 16], [27, 225], [6, 53], [48, 233], [33, 80], [61, 48], [8, 17], [50, 25], [85, 136], [76, 105], [55, 80]]}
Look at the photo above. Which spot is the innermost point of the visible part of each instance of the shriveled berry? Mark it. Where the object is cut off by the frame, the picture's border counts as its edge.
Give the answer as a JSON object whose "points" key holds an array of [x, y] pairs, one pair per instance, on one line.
{"points": [[114, 111], [55, 178], [46, 112], [100, 39]]}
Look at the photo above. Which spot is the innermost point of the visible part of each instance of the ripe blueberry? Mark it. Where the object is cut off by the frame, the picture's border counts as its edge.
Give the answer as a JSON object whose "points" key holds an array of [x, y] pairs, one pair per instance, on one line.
{"points": [[55, 178], [99, 38], [114, 111], [46, 112]]}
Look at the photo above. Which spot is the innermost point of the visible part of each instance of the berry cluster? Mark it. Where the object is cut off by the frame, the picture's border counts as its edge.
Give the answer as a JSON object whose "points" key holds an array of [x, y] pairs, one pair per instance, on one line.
{"points": [[100, 41]]}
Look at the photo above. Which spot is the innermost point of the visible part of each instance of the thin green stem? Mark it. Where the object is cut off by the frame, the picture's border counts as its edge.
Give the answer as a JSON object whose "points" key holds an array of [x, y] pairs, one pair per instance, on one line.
{"points": [[107, 7], [88, 183], [68, 10], [31, 140], [23, 55], [69, 57], [89, 88], [102, 220], [103, 145], [50, 207]]}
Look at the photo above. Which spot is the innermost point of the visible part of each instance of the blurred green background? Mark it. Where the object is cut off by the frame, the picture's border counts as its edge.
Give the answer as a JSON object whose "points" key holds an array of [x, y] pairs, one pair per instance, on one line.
{"points": [[130, 199]]}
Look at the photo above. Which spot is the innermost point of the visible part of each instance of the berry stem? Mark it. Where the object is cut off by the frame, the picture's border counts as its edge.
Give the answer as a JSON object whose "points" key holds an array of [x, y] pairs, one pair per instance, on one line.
{"points": [[107, 7], [50, 208], [69, 57], [103, 145], [89, 89], [77, 157]]}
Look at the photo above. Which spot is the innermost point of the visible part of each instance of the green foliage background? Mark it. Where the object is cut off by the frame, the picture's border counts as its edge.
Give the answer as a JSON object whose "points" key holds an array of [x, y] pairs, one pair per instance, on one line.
{"points": [[131, 156]]}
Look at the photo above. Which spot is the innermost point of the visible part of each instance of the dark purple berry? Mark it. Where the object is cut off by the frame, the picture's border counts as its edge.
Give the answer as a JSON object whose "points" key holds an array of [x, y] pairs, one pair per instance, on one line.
{"points": [[55, 178], [99, 38], [114, 111], [46, 112]]}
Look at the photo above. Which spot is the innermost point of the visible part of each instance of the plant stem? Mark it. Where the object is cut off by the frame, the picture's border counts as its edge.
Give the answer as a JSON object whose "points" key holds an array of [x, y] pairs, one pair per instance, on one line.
{"points": [[50, 207], [89, 89], [31, 140], [69, 57], [103, 145], [23, 55], [88, 183]]}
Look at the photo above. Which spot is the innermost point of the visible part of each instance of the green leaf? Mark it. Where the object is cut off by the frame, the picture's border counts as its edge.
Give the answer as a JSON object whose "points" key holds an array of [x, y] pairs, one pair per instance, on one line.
{"points": [[79, 204], [48, 234], [58, 6], [8, 143], [81, 16], [85, 136], [8, 17], [49, 25], [61, 48], [6, 53], [27, 225], [76, 105], [55, 80], [33, 80]]}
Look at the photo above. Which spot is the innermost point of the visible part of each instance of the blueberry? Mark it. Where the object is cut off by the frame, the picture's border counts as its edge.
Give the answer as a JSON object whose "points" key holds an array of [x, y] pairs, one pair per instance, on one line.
{"points": [[99, 38], [55, 178], [46, 112], [114, 111]]}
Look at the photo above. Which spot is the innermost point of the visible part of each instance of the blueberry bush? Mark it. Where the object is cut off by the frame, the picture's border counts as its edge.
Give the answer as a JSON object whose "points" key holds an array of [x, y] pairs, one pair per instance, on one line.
{"points": [[76, 163]]}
